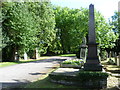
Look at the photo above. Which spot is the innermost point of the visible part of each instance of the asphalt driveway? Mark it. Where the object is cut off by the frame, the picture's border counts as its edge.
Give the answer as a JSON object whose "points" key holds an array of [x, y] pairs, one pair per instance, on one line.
{"points": [[27, 72]]}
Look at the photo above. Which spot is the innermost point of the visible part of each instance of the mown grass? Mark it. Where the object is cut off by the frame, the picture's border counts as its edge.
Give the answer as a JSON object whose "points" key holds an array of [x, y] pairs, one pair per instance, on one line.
{"points": [[67, 55], [111, 67], [5, 64], [45, 82]]}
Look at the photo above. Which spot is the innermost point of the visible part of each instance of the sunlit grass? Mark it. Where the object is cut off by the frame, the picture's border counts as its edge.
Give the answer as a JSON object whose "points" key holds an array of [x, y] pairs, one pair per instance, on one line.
{"points": [[4, 64], [67, 55], [44, 82], [109, 67]]}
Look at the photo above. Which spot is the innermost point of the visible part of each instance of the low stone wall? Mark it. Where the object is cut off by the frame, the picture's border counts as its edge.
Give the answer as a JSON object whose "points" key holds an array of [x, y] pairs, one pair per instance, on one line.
{"points": [[61, 76], [89, 84]]}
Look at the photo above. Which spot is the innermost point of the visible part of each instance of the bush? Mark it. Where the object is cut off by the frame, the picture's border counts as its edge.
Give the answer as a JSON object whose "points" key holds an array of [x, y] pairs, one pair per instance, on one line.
{"points": [[111, 62], [85, 75], [81, 76], [103, 55]]}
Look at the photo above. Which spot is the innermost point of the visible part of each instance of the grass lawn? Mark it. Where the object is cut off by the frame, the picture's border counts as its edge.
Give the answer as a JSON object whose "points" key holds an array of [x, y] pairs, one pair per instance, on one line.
{"points": [[109, 67], [44, 82], [4, 64], [67, 55]]}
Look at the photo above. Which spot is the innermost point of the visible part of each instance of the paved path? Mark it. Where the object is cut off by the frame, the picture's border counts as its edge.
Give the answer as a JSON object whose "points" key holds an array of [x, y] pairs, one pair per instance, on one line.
{"points": [[27, 72]]}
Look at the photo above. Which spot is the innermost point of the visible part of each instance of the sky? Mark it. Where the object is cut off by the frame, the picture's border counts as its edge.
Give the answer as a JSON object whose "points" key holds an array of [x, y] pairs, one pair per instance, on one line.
{"points": [[105, 7]]}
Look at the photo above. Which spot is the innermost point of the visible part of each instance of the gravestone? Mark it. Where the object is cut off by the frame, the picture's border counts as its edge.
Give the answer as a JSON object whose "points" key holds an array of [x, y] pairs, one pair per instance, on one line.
{"points": [[16, 56], [25, 56], [83, 49], [115, 58], [110, 55], [118, 60], [92, 60]]}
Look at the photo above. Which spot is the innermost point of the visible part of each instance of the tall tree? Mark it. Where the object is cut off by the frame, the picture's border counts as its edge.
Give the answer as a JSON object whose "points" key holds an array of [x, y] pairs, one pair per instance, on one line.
{"points": [[72, 25], [27, 25], [45, 23], [116, 28], [105, 34], [18, 27]]}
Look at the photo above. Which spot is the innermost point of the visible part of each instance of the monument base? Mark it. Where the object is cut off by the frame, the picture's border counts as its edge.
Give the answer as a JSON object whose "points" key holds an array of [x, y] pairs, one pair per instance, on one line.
{"points": [[92, 67]]}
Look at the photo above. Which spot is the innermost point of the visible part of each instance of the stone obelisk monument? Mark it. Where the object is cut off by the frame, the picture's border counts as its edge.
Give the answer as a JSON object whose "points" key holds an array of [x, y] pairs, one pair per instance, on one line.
{"points": [[92, 60]]}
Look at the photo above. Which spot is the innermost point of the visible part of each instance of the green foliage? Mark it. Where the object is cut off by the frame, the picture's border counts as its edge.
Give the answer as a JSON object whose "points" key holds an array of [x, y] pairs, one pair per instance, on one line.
{"points": [[44, 16], [85, 75], [30, 25], [105, 34], [103, 55], [111, 62], [27, 25], [116, 28], [115, 22], [70, 28], [18, 26], [81, 76]]}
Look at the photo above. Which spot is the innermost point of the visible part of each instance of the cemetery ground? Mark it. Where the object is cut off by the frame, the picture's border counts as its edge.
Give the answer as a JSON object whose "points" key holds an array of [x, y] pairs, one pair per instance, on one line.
{"points": [[43, 81]]}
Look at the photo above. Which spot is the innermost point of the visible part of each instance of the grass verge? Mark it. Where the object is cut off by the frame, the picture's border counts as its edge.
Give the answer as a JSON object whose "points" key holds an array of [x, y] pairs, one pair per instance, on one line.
{"points": [[4, 64], [67, 55]]}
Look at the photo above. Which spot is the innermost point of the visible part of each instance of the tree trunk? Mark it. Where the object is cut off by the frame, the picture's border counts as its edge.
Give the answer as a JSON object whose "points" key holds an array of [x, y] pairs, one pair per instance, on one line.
{"points": [[8, 54], [12, 56], [35, 56]]}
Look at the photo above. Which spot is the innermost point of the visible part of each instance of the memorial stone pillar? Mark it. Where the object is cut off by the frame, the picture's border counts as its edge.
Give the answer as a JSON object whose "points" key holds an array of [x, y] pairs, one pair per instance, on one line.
{"points": [[92, 60]]}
